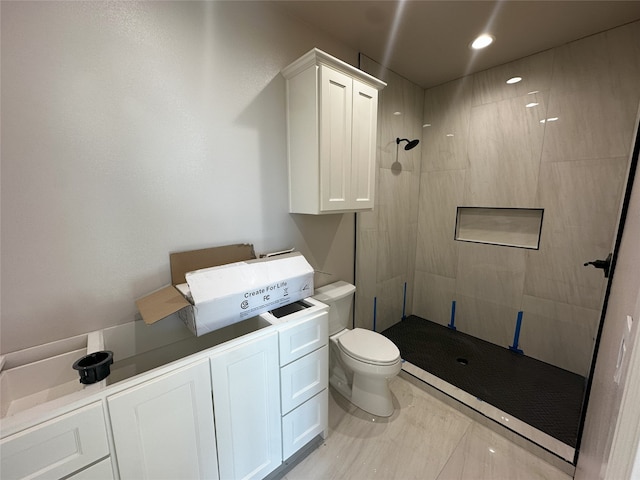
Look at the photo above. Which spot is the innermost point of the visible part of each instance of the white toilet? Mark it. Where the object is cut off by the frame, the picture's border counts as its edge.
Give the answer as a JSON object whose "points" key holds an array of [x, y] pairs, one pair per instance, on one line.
{"points": [[360, 361]]}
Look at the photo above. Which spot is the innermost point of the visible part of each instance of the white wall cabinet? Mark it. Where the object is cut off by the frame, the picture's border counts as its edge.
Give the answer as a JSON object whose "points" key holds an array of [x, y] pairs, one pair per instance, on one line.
{"points": [[164, 428], [246, 398], [332, 111], [56, 448]]}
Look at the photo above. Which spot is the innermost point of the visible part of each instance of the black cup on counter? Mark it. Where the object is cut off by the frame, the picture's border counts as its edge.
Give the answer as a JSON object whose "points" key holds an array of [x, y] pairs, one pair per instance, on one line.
{"points": [[94, 367]]}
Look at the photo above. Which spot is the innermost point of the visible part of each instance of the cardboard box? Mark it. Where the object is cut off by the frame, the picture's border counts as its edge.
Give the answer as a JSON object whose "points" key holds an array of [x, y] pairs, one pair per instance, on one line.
{"points": [[226, 285]]}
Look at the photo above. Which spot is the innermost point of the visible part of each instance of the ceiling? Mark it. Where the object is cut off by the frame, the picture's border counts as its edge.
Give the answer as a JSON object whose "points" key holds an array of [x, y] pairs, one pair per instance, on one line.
{"points": [[427, 41]]}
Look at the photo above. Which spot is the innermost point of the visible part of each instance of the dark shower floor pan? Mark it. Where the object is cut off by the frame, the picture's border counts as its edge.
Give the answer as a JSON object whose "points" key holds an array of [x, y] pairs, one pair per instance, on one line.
{"points": [[544, 396]]}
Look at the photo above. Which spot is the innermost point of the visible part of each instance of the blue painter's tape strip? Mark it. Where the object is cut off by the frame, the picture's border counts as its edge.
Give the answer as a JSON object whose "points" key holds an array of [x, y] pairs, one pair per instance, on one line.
{"points": [[516, 335], [452, 324]]}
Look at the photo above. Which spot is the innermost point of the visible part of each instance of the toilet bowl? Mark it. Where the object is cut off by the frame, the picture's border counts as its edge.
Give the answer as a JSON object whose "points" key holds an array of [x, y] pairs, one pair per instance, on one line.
{"points": [[361, 361]]}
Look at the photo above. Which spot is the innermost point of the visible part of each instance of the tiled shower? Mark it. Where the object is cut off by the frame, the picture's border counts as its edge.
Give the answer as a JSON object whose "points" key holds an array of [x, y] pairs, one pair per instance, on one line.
{"points": [[558, 140]]}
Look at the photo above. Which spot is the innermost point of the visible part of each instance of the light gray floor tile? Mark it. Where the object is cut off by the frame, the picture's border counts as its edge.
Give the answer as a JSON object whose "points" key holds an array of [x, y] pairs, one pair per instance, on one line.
{"points": [[424, 439]]}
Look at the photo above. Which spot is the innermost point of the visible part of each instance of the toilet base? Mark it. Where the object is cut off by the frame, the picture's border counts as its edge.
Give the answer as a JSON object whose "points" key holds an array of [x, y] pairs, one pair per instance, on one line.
{"points": [[372, 395]]}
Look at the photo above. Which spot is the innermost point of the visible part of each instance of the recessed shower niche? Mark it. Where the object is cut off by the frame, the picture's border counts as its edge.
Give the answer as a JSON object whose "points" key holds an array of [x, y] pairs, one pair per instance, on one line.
{"points": [[512, 227]]}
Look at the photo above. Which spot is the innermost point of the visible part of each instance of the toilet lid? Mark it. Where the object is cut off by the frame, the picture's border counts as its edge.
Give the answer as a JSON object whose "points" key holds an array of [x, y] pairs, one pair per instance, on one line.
{"points": [[369, 347]]}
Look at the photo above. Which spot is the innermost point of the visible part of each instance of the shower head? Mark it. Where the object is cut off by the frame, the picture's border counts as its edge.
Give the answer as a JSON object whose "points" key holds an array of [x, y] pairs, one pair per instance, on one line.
{"points": [[410, 143]]}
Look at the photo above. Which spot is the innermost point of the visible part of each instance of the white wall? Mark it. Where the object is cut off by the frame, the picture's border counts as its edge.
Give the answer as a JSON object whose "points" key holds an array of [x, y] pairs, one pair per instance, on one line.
{"points": [[131, 130]]}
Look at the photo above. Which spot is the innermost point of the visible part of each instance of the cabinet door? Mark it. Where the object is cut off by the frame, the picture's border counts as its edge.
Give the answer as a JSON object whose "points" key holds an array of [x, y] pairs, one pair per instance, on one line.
{"points": [[164, 428], [336, 110], [58, 447], [246, 398], [363, 158]]}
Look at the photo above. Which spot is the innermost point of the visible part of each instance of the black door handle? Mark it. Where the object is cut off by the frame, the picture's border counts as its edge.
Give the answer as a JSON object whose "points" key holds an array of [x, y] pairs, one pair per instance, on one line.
{"points": [[603, 264]]}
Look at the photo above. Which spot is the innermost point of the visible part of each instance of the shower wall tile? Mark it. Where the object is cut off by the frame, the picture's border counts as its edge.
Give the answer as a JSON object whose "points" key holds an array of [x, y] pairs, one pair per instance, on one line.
{"points": [[447, 109], [411, 261], [433, 295], [588, 125], [484, 319], [623, 50], [396, 211], [556, 271], [368, 220], [594, 97], [389, 303], [365, 275], [583, 193], [386, 237], [364, 311], [559, 333], [490, 85], [581, 201], [440, 194], [492, 273], [400, 116], [505, 143], [582, 65], [366, 249]]}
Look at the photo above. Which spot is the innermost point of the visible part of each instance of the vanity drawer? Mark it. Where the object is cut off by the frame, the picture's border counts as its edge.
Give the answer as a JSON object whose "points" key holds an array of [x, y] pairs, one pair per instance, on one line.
{"points": [[302, 379], [100, 471], [305, 422], [58, 447], [299, 338]]}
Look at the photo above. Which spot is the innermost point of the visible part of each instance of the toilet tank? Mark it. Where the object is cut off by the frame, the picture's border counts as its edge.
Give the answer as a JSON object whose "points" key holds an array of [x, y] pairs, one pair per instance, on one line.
{"points": [[339, 297]]}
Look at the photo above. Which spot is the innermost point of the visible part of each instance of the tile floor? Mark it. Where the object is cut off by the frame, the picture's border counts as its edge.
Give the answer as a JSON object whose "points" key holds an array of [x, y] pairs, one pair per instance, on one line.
{"points": [[424, 439]]}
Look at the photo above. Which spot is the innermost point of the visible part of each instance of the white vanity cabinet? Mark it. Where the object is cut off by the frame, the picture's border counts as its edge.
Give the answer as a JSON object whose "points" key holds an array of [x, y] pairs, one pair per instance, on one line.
{"points": [[304, 360], [246, 398], [183, 407], [59, 447], [163, 428], [332, 111]]}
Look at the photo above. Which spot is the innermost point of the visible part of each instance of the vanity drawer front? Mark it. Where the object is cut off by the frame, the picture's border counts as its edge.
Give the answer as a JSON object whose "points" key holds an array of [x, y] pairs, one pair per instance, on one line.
{"points": [[100, 471], [302, 379], [305, 422], [300, 338], [58, 447]]}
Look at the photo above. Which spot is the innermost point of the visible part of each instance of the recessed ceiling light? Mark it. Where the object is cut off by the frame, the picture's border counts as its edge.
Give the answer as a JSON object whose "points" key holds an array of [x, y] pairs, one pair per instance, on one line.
{"points": [[513, 80], [397, 113], [482, 41], [426, 125], [532, 104]]}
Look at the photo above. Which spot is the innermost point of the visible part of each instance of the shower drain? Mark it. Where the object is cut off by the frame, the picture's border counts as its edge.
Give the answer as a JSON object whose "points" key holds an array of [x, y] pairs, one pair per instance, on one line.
{"points": [[462, 361]]}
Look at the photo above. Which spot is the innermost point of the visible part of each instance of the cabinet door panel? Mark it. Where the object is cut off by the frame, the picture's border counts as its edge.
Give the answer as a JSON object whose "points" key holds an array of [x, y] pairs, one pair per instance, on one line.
{"points": [[365, 114], [164, 428], [246, 398], [58, 447], [336, 91]]}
